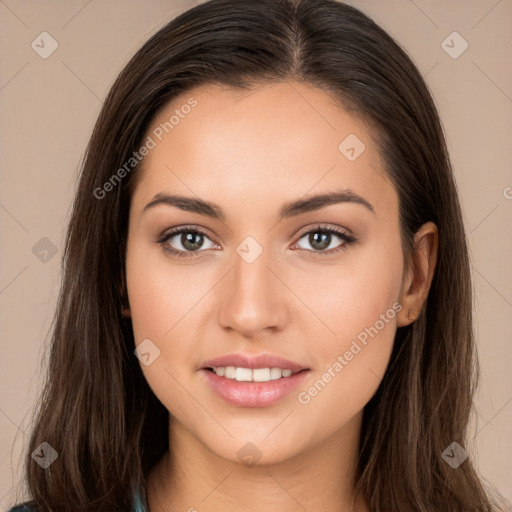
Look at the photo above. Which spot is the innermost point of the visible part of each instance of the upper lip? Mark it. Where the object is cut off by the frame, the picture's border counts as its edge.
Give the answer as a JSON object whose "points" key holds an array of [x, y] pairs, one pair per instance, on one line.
{"points": [[253, 361]]}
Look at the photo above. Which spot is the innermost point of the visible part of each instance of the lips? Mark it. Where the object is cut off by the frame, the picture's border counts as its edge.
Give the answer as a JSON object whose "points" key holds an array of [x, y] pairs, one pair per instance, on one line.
{"points": [[253, 362], [252, 394]]}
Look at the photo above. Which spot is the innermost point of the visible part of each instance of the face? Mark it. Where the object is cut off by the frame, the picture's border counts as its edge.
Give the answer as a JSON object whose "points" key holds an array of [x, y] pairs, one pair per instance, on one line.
{"points": [[316, 285]]}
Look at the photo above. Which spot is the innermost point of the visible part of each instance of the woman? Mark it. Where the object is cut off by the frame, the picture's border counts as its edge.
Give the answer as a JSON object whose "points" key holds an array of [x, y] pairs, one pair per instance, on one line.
{"points": [[266, 295]]}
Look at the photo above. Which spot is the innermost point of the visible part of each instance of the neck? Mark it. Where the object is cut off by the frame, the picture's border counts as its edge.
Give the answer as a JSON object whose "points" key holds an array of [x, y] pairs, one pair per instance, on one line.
{"points": [[192, 478]]}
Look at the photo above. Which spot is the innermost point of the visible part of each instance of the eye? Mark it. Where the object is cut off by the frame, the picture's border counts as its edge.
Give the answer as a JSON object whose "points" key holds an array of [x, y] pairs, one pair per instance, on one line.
{"points": [[186, 241], [321, 238]]}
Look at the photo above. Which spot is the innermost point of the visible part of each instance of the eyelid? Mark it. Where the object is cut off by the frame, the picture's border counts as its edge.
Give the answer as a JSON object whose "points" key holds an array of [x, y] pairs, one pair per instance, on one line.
{"points": [[185, 227], [323, 226]]}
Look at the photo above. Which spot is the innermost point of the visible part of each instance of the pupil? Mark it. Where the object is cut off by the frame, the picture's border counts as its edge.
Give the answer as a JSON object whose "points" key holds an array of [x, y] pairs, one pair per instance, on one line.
{"points": [[325, 239], [191, 241]]}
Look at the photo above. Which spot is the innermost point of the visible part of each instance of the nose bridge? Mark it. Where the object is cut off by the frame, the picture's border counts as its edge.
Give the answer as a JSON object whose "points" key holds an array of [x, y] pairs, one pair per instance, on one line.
{"points": [[251, 267], [251, 297]]}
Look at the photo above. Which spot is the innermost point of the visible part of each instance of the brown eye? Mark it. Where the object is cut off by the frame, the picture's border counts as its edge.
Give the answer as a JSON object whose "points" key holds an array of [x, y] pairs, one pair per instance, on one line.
{"points": [[321, 238], [184, 242]]}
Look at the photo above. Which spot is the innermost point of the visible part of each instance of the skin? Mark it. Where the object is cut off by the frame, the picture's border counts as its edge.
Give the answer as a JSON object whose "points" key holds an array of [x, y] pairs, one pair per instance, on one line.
{"points": [[249, 153]]}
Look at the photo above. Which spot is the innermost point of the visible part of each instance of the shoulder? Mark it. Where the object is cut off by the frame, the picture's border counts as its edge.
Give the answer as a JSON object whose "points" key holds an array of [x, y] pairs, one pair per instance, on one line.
{"points": [[29, 506], [23, 507]]}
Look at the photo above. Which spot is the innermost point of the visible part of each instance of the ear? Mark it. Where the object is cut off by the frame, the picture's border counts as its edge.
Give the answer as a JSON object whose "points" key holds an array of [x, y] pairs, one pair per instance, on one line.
{"points": [[124, 297], [420, 273]]}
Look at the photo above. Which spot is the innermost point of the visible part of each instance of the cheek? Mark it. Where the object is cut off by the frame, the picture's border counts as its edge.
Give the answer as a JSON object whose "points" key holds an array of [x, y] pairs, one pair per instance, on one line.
{"points": [[161, 293], [361, 309], [353, 294], [162, 300], [154, 309]]}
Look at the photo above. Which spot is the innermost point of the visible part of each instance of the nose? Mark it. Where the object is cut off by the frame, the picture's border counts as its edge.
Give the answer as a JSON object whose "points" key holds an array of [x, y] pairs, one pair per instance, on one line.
{"points": [[253, 298]]}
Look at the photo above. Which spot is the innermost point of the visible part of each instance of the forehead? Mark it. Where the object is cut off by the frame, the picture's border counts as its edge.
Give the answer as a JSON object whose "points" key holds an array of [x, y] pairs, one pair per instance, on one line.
{"points": [[272, 142]]}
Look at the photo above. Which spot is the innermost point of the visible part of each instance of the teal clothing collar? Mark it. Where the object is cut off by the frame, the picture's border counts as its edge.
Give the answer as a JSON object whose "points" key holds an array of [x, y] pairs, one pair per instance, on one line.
{"points": [[140, 504]]}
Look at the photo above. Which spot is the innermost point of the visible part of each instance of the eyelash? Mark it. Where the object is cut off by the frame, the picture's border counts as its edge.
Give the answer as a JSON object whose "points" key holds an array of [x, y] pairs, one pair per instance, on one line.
{"points": [[162, 241]]}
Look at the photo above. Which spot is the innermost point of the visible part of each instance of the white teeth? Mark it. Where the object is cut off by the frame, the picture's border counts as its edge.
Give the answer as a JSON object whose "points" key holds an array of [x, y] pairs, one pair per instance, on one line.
{"points": [[230, 372], [262, 374], [243, 374], [251, 375], [275, 373]]}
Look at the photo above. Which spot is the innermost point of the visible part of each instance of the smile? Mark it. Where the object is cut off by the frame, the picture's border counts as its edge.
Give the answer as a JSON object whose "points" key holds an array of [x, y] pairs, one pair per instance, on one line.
{"points": [[259, 387]]}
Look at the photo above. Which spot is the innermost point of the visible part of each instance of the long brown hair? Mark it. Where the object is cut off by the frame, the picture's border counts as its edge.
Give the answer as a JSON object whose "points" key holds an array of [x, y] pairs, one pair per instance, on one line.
{"points": [[97, 410]]}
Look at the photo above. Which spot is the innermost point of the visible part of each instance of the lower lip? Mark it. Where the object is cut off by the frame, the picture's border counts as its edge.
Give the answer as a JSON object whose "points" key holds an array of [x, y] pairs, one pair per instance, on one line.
{"points": [[253, 394]]}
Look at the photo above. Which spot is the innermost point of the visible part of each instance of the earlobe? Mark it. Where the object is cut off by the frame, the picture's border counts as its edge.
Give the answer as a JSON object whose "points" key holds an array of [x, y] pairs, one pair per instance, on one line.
{"points": [[417, 285], [412, 316]]}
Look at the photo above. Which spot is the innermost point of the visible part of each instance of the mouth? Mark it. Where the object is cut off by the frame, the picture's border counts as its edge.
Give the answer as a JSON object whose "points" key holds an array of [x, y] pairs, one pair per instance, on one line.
{"points": [[258, 387]]}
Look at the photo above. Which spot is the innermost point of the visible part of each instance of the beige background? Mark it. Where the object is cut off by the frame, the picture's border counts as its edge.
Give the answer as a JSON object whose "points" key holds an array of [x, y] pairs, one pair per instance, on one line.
{"points": [[48, 108]]}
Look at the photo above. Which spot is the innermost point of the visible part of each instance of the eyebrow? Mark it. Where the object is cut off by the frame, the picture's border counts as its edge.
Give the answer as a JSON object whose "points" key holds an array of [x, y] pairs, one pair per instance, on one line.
{"points": [[288, 210]]}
